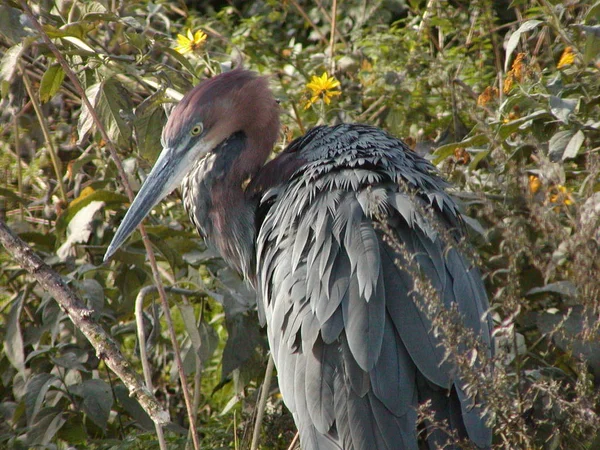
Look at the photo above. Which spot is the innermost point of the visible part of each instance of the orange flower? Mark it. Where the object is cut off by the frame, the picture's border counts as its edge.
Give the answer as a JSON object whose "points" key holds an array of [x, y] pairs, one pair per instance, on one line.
{"points": [[487, 95], [534, 184], [517, 66], [567, 58], [508, 82], [561, 195], [462, 156]]}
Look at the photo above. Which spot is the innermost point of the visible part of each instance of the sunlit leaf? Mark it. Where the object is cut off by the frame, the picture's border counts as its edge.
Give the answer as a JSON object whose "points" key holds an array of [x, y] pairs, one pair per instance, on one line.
{"points": [[51, 82], [13, 339], [574, 146], [561, 108], [557, 144], [80, 228], [9, 62]]}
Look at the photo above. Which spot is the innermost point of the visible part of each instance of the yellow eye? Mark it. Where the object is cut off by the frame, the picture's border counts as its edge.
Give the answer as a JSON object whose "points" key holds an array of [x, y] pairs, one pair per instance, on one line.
{"points": [[198, 128]]}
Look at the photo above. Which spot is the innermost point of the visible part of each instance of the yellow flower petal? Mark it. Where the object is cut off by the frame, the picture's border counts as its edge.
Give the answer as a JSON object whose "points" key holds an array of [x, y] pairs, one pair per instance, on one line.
{"points": [[567, 58], [322, 87]]}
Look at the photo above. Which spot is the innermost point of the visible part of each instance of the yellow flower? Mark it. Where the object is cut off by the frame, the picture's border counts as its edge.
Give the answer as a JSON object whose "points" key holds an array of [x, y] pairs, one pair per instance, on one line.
{"points": [[534, 184], [322, 88], [561, 195], [191, 42], [567, 57]]}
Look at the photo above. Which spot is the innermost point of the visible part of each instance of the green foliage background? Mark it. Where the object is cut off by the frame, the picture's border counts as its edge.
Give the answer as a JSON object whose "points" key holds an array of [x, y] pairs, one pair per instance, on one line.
{"points": [[524, 156]]}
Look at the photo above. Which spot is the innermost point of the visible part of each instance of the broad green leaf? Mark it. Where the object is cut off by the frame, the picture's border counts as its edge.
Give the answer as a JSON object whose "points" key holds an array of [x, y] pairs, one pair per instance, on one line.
{"points": [[14, 24], [244, 337], [51, 82], [35, 392], [80, 228], [13, 339], [80, 44], [109, 198], [521, 123], [8, 63], [133, 408], [97, 400], [86, 121], [513, 41], [148, 124], [47, 424], [561, 108], [92, 292], [574, 145], [115, 110], [558, 143], [74, 431]]}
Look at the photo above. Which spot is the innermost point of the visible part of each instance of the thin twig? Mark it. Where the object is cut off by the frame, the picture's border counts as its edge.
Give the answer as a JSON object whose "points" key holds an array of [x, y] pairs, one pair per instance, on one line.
{"points": [[262, 403], [139, 320], [310, 22], [294, 441], [44, 125]]}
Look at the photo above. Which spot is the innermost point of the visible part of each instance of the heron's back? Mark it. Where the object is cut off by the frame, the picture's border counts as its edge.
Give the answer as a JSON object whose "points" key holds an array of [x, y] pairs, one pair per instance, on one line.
{"points": [[349, 219]]}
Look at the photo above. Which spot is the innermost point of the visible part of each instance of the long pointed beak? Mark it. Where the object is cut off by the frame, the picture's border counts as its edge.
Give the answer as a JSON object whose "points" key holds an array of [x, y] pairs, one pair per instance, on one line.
{"points": [[167, 173]]}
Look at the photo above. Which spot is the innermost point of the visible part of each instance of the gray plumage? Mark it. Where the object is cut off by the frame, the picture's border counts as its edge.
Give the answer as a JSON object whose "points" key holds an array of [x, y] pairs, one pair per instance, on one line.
{"points": [[354, 352], [321, 261]]}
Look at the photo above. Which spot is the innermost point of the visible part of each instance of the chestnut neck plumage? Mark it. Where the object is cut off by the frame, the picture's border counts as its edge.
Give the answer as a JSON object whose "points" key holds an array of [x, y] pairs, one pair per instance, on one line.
{"points": [[216, 200], [238, 109]]}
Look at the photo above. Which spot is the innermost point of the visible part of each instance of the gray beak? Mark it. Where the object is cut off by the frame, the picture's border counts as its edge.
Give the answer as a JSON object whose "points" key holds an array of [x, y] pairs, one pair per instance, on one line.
{"points": [[166, 175]]}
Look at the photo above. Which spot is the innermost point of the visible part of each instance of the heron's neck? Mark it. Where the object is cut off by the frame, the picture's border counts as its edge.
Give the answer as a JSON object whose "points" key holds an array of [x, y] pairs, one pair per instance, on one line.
{"points": [[215, 200]]}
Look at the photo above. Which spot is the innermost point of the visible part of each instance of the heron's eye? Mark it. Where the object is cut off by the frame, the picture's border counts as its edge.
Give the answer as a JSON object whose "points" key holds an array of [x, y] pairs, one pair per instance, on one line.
{"points": [[197, 129]]}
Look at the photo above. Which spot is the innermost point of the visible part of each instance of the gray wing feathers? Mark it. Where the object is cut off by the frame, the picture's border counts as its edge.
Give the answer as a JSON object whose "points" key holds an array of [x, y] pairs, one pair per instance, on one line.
{"points": [[351, 346]]}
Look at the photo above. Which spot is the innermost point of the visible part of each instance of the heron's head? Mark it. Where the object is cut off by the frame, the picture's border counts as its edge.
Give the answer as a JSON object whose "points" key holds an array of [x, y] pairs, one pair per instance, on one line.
{"points": [[235, 101]]}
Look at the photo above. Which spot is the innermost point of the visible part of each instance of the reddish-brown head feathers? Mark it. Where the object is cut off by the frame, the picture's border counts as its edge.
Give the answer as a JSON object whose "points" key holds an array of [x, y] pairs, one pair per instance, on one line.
{"points": [[234, 101]]}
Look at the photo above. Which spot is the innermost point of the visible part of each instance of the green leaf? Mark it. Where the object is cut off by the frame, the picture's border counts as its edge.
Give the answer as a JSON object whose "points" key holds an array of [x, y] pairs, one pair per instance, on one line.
{"points": [[97, 400], [112, 103], [521, 123], [148, 124], [51, 82], [574, 146], [558, 143], [115, 109], [513, 41], [35, 392], [561, 108], [133, 408], [49, 421], [109, 198], [86, 122], [9, 62], [13, 339], [244, 337]]}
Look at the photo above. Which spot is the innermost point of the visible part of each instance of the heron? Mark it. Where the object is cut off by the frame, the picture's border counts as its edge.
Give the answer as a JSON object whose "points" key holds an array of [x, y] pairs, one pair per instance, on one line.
{"points": [[355, 354]]}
